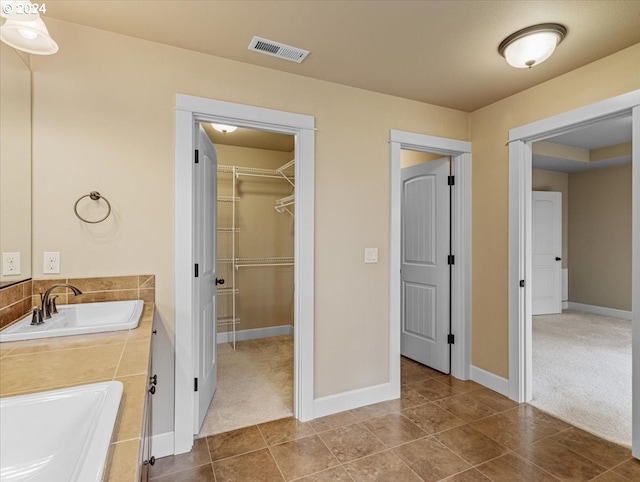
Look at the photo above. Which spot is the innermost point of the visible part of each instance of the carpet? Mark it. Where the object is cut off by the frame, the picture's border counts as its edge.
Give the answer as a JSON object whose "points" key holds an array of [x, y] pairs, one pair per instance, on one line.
{"points": [[582, 372], [255, 385]]}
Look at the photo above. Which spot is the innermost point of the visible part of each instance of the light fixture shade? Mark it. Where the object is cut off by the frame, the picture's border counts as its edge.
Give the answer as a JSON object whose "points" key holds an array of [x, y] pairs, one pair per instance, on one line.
{"points": [[223, 128], [30, 36], [532, 45], [18, 10]]}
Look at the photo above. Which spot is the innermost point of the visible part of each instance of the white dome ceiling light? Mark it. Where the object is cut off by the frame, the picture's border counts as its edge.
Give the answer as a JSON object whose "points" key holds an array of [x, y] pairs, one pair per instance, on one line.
{"points": [[224, 128], [24, 29], [532, 45]]}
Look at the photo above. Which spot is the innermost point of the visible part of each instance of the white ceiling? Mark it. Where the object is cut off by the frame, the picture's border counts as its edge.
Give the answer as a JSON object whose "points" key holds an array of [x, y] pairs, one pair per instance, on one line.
{"points": [[609, 132], [439, 52]]}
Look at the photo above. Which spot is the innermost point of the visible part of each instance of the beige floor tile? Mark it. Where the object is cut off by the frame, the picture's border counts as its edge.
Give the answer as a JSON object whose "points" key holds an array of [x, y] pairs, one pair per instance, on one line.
{"points": [[331, 422], [410, 398], [376, 410], [335, 474], [432, 419], [610, 476], [384, 466], [235, 442], [430, 460], [394, 429], [433, 390], [629, 469], [351, 442], [284, 430], [511, 468], [493, 399], [471, 475], [561, 462], [594, 448], [198, 456], [257, 466], [471, 445], [203, 473], [302, 457], [466, 407]]}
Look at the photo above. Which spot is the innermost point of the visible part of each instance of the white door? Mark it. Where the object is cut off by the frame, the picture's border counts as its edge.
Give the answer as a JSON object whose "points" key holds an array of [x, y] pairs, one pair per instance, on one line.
{"points": [[546, 260], [205, 212], [425, 213]]}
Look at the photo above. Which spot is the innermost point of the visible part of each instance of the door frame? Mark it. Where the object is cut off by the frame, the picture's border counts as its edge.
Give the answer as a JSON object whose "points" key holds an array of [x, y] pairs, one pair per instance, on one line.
{"points": [[520, 165], [460, 152], [189, 111]]}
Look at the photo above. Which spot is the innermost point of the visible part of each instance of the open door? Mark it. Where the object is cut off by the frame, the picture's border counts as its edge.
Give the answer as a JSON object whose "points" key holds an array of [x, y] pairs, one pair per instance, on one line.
{"points": [[205, 214], [425, 213], [546, 230]]}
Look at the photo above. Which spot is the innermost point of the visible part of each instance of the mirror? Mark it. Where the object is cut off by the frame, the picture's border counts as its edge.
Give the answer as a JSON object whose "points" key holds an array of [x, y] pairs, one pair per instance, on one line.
{"points": [[15, 163]]}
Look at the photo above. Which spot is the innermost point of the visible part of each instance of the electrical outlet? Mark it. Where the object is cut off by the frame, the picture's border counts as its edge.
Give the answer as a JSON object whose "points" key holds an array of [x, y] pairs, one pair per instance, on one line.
{"points": [[51, 263], [10, 264]]}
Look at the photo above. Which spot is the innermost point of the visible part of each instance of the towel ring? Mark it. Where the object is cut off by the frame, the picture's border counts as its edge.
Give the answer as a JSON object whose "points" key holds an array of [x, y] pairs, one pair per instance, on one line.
{"points": [[95, 196]]}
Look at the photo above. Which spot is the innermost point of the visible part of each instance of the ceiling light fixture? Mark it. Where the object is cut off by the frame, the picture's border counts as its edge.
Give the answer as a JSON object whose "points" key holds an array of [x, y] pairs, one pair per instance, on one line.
{"points": [[224, 128], [24, 29], [532, 45]]}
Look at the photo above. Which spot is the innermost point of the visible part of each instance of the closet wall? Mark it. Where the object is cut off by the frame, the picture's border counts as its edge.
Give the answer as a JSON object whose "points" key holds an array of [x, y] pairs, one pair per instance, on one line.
{"points": [[265, 297]]}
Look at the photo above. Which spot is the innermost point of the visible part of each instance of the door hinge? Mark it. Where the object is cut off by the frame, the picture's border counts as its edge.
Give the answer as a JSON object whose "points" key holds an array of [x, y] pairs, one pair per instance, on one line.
{"points": [[196, 271], [195, 384], [451, 180], [521, 283], [197, 160], [451, 259], [451, 339]]}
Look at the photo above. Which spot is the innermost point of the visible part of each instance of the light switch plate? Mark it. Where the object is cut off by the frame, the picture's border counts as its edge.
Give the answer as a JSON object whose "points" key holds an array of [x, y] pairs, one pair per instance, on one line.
{"points": [[10, 264], [370, 255]]}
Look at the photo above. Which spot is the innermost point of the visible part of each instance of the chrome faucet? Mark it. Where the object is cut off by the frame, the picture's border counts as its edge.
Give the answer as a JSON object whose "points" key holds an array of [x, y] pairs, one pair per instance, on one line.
{"points": [[49, 306]]}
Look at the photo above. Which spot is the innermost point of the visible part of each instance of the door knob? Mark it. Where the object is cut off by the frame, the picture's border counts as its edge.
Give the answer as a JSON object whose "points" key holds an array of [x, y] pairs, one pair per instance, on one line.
{"points": [[219, 281], [558, 259]]}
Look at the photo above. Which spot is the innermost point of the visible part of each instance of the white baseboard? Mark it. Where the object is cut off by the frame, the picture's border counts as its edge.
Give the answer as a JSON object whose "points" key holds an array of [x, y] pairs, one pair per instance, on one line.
{"points": [[255, 333], [162, 445], [565, 305], [353, 399], [600, 310], [489, 380]]}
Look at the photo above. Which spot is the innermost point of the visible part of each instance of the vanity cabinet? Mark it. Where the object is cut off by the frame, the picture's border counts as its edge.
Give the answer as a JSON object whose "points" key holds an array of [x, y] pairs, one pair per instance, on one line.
{"points": [[147, 460]]}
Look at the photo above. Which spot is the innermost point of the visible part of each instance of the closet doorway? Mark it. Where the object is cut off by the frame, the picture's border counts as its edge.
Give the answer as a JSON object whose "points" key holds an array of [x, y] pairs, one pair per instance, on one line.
{"points": [[255, 257], [190, 112]]}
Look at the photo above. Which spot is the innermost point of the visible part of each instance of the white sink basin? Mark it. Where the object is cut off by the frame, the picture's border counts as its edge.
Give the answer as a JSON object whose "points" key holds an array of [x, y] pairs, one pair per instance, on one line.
{"points": [[78, 319], [59, 435]]}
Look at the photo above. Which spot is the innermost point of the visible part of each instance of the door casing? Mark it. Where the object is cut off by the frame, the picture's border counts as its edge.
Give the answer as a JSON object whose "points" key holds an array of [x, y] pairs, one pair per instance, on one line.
{"points": [[520, 165], [189, 111], [460, 153]]}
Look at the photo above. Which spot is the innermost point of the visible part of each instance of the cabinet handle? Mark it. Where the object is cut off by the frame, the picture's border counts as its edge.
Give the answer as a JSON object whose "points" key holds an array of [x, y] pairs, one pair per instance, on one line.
{"points": [[152, 390], [155, 332], [152, 460], [154, 380]]}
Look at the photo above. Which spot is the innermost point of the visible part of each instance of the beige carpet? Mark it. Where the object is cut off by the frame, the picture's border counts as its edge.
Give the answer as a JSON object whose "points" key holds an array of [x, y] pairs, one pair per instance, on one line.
{"points": [[255, 385], [582, 372]]}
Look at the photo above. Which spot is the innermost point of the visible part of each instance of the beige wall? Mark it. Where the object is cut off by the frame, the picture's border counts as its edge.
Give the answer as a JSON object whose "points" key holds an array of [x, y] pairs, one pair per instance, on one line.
{"points": [[104, 120], [266, 293], [543, 180], [608, 77], [411, 158], [600, 237]]}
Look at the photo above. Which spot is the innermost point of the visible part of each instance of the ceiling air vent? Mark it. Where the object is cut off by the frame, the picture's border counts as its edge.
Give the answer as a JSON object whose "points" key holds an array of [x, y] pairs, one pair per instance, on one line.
{"points": [[276, 49]]}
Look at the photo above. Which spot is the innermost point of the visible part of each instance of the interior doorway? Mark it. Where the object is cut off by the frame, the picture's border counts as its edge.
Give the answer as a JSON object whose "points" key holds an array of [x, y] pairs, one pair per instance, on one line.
{"points": [[190, 111], [255, 258], [460, 280], [520, 185]]}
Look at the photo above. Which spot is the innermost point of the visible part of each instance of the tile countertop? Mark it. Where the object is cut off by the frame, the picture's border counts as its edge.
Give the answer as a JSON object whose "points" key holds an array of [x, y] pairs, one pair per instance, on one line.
{"points": [[50, 363]]}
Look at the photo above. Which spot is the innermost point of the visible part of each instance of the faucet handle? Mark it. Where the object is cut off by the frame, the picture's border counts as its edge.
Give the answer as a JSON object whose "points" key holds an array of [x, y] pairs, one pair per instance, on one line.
{"points": [[53, 309], [36, 318]]}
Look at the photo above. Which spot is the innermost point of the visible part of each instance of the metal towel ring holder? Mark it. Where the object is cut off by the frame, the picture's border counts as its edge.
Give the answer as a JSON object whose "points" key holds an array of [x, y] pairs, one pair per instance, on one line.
{"points": [[95, 196]]}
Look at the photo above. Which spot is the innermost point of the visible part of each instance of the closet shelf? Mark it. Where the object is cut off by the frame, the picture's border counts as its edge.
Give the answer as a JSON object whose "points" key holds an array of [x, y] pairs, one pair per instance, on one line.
{"points": [[228, 199], [228, 291], [228, 230], [275, 261], [228, 321], [255, 171]]}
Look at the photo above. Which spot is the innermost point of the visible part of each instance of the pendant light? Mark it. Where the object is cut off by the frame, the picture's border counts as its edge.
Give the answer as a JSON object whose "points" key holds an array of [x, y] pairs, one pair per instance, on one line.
{"points": [[24, 29], [224, 128], [532, 45]]}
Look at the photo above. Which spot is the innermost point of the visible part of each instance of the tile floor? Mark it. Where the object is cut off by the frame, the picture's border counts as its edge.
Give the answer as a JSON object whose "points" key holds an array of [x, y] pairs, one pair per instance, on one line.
{"points": [[440, 429]]}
